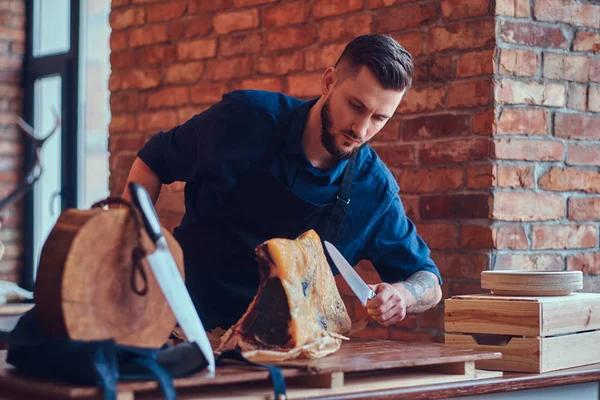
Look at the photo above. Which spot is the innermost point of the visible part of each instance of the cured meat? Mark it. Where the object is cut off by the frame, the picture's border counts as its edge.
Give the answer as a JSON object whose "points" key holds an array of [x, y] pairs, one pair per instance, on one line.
{"points": [[297, 304]]}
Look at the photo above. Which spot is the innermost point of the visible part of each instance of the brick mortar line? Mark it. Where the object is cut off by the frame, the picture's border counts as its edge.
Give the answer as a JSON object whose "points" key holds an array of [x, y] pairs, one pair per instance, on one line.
{"points": [[531, 79], [548, 252], [462, 251], [538, 107], [459, 192], [432, 140], [539, 49], [528, 234], [550, 223], [546, 137], [561, 110], [448, 164], [541, 191], [573, 53], [433, 168], [445, 111], [548, 24], [546, 165], [531, 8]]}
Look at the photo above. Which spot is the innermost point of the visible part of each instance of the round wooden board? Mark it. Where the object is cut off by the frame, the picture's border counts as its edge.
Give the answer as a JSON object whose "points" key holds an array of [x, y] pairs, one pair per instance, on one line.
{"points": [[83, 286], [532, 283]]}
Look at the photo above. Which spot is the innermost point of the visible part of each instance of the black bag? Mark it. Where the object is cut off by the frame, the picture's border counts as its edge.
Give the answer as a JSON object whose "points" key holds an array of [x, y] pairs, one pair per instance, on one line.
{"points": [[104, 363]]}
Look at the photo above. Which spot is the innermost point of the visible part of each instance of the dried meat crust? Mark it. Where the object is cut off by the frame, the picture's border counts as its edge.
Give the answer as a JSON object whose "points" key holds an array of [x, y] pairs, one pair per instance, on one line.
{"points": [[298, 305]]}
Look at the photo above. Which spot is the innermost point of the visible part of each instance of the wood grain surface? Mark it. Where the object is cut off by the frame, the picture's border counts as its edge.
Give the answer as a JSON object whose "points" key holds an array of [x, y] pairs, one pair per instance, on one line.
{"points": [[358, 355], [532, 283], [522, 315], [534, 334], [83, 286], [416, 390]]}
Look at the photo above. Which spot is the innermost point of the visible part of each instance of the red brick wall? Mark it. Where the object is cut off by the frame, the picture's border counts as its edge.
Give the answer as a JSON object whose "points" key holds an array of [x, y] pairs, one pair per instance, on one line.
{"points": [[12, 40], [173, 59], [546, 205], [480, 147]]}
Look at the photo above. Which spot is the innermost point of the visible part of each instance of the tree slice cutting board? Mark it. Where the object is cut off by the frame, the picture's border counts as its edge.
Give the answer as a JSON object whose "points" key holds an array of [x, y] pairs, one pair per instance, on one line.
{"points": [[83, 286], [532, 283]]}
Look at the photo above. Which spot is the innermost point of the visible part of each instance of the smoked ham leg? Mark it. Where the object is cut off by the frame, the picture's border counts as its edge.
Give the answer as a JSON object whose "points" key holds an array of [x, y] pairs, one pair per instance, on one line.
{"points": [[297, 304]]}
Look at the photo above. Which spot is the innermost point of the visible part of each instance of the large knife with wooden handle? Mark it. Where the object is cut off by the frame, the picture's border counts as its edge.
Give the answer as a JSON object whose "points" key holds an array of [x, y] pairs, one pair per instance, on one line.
{"points": [[168, 277]]}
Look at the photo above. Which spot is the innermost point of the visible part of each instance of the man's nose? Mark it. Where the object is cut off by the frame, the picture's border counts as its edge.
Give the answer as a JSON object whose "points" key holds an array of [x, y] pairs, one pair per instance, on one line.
{"points": [[360, 127]]}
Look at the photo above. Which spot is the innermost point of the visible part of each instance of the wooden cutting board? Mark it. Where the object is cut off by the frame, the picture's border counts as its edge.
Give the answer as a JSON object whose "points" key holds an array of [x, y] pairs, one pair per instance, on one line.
{"points": [[86, 278], [532, 283]]}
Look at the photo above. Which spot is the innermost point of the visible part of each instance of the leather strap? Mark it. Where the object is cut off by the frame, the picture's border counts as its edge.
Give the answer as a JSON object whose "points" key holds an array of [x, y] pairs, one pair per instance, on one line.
{"points": [[274, 372], [335, 225]]}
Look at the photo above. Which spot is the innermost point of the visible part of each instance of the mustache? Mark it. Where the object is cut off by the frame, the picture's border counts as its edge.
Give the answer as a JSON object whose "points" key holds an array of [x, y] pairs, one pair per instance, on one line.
{"points": [[352, 135]]}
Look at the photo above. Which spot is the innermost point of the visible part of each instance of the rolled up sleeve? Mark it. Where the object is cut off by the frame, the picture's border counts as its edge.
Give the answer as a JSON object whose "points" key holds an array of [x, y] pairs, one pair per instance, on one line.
{"points": [[216, 144], [176, 155], [395, 248]]}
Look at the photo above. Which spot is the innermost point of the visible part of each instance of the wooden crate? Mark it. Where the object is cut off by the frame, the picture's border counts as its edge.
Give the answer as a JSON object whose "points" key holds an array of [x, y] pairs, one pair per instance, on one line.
{"points": [[534, 334]]}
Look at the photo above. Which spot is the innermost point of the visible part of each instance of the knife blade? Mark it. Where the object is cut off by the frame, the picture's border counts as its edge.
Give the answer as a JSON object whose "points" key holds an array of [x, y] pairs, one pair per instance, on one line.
{"points": [[358, 286], [168, 277]]}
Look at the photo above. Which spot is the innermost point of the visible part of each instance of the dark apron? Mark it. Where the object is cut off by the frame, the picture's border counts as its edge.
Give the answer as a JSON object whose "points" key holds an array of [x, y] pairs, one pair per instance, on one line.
{"points": [[222, 273]]}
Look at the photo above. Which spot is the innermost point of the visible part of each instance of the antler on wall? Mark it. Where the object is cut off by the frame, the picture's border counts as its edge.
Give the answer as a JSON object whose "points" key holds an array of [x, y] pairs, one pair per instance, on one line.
{"points": [[33, 173]]}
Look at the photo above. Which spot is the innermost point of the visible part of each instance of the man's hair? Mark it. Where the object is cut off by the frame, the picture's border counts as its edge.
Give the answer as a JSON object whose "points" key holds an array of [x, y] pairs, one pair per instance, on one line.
{"points": [[390, 63]]}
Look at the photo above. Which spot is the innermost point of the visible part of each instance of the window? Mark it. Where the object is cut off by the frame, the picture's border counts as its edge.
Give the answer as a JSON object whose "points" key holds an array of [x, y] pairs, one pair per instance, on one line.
{"points": [[94, 100], [47, 97], [50, 29], [66, 69]]}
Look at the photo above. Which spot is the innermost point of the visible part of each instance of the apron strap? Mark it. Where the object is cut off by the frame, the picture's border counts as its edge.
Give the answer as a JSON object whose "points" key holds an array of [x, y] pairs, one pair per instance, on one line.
{"points": [[162, 376], [106, 375], [335, 226], [275, 372]]}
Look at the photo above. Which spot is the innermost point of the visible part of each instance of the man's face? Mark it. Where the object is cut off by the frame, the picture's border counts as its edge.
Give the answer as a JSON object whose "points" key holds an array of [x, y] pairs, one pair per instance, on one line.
{"points": [[354, 111]]}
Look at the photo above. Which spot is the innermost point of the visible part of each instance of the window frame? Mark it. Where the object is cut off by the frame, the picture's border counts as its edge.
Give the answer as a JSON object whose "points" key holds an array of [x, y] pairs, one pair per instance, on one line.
{"points": [[67, 66]]}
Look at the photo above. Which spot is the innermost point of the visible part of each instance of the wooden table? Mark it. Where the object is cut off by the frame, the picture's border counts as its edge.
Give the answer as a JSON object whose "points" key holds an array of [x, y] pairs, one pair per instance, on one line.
{"points": [[455, 379], [416, 382]]}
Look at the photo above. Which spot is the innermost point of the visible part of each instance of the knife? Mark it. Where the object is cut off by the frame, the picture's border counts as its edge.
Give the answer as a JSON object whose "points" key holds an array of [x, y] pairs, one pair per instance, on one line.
{"points": [[358, 286], [168, 277]]}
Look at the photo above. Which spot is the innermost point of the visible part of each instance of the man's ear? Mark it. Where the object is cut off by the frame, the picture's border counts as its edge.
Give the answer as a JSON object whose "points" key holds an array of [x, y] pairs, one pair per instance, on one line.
{"points": [[329, 77]]}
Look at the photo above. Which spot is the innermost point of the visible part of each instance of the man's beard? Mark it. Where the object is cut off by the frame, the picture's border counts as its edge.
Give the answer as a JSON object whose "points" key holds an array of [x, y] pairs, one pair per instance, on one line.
{"points": [[328, 138]]}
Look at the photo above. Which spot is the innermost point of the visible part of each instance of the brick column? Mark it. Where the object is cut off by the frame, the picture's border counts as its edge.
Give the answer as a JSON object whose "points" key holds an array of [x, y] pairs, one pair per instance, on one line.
{"points": [[12, 49], [546, 206]]}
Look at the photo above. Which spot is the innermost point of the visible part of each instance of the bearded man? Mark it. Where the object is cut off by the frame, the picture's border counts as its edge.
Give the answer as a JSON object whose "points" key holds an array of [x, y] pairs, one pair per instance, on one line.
{"points": [[260, 165]]}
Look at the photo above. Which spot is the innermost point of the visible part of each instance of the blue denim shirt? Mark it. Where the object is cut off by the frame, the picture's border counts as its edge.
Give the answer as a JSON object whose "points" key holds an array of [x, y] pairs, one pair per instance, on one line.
{"points": [[213, 149]]}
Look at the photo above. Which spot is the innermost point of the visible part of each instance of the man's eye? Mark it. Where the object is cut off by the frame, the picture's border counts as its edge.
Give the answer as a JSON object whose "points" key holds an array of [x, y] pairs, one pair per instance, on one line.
{"points": [[355, 106]]}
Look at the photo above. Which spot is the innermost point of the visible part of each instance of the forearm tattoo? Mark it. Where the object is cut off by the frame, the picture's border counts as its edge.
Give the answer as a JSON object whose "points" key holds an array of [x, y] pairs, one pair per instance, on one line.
{"points": [[424, 286]]}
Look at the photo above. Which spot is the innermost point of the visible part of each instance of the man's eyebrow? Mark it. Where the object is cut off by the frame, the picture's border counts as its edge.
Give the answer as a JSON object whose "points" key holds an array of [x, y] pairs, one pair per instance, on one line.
{"points": [[357, 100]]}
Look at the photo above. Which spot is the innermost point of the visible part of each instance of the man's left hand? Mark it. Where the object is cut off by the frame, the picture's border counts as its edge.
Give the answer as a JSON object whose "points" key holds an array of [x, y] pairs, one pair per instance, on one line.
{"points": [[389, 304]]}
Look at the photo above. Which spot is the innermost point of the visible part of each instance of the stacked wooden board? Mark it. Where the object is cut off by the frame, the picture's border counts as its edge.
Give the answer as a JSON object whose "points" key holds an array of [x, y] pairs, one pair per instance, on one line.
{"points": [[534, 334], [532, 283]]}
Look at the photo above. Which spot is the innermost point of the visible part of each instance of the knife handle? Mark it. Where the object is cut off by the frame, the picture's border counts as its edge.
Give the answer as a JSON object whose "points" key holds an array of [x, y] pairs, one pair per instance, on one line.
{"points": [[142, 200]]}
